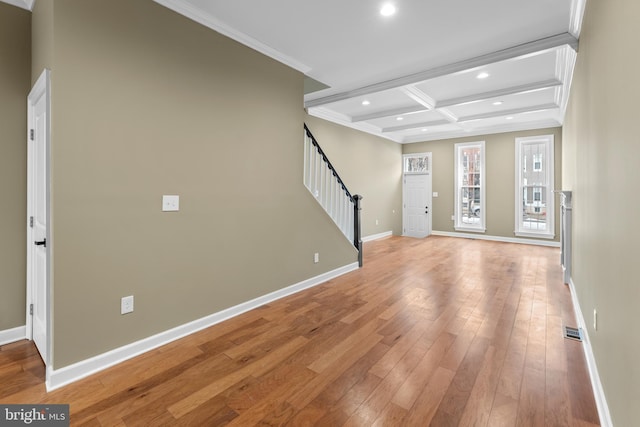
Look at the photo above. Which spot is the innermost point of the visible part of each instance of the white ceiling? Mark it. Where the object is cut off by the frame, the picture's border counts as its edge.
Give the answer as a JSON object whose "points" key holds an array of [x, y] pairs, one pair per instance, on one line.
{"points": [[418, 68]]}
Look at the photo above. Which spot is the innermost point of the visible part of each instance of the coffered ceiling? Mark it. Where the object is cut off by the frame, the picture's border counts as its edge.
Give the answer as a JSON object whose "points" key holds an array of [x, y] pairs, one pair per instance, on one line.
{"points": [[416, 75]]}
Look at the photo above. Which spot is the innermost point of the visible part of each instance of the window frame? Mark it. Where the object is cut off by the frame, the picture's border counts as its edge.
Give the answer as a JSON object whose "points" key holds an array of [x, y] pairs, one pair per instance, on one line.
{"points": [[547, 164], [458, 181]]}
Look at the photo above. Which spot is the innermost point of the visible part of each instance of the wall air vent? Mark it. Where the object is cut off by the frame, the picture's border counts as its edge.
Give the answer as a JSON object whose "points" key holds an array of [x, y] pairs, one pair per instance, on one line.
{"points": [[572, 333]]}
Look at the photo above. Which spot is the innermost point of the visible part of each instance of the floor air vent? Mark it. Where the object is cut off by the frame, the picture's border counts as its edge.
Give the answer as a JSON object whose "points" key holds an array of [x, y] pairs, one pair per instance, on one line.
{"points": [[572, 333]]}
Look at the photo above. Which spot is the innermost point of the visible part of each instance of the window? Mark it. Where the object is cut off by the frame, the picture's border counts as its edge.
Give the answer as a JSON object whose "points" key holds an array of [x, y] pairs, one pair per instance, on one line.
{"points": [[469, 192], [416, 163], [537, 163], [534, 187]]}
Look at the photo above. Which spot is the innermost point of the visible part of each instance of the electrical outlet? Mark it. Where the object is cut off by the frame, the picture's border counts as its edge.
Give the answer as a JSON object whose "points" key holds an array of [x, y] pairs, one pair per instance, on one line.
{"points": [[126, 304], [377, 222], [316, 258], [170, 203], [435, 194], [595, 320], [453, 217]]}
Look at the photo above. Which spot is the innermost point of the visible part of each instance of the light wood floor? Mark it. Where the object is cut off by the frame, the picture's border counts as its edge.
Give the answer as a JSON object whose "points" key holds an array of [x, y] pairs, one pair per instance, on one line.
{"points": [[439, 331]]}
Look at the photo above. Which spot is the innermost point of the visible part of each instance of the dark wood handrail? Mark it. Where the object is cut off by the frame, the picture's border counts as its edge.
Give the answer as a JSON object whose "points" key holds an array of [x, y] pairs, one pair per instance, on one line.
{"points": [[355, 199], [326, 160]]}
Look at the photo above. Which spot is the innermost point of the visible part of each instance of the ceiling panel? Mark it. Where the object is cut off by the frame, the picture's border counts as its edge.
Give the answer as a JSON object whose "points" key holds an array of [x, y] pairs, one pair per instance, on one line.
{"points": [[421, 64]]}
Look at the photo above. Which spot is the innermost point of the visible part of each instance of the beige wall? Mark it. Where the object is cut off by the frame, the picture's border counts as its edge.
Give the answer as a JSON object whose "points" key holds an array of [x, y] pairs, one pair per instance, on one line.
{"points": [[15, 66], [602, 148], [370, 166], [41, 38], [500, 179], [145, 103]]}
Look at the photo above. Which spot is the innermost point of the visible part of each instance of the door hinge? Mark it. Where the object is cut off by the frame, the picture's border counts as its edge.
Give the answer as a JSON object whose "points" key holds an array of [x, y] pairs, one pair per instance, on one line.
{"points": [[31, 222], [31, 309], [32, 134]]}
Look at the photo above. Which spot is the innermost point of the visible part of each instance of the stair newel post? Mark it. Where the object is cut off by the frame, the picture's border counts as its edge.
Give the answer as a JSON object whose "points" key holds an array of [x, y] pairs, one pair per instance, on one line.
{"points": [[357, 232]]}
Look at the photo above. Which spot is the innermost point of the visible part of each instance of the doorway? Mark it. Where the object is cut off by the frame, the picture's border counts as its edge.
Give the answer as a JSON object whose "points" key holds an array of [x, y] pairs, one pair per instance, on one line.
{"points": [[38, 202], [416, 195]]}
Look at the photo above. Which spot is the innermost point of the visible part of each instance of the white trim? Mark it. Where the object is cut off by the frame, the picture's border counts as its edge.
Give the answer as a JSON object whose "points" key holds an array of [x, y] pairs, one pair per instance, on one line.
{"points": [[201, 17], [42, 88], [12, 335], [458, 225], [497, 238], [60, 377], [22, 4], [377, 236], [577, 13], [549, 172], [596, 384], [535, 235]]}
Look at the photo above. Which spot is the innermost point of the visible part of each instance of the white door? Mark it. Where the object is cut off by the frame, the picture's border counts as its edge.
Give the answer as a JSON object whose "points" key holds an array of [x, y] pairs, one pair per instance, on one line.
{"points": [[417, 205], [37, 211]]}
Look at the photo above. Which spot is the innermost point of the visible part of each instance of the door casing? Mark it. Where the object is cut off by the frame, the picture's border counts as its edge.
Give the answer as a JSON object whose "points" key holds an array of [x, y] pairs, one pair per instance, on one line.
{"points": [[427, 175], [41, 92]]}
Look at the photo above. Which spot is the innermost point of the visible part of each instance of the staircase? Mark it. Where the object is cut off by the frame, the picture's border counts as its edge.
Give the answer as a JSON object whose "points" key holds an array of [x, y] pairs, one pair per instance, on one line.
{"points": [[324, 183]]}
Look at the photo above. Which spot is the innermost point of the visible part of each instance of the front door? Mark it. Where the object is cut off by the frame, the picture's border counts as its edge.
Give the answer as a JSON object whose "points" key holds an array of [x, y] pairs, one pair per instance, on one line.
{"points": [[417, 201], [37, 208]]}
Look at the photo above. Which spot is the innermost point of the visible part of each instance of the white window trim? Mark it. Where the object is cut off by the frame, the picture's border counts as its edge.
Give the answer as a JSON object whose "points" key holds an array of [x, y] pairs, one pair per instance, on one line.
{"points": [[408, 156], [458, 225], [551, 212]]}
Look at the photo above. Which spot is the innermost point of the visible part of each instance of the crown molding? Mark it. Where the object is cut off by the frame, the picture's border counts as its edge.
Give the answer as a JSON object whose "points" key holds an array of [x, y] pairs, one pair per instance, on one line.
{"points": [[209, 21], [575, 20], [22, 4]]}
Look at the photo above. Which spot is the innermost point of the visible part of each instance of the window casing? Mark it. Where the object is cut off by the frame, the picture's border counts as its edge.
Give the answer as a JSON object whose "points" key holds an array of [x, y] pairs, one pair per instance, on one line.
{"points": [[469, 209], [534, 209]]}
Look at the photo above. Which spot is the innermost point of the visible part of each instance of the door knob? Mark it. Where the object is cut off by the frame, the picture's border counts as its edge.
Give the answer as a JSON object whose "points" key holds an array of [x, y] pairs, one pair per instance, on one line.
{"points": [[41, 243]]}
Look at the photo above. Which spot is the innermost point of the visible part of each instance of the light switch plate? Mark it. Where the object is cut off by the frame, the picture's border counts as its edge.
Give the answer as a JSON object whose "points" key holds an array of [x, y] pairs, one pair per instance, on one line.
{"points": [[170, 203], [435, 194], [126, 305]]}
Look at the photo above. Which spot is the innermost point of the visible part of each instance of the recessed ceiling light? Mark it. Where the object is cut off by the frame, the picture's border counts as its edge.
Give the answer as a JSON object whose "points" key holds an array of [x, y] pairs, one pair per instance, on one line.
{"points": [[482, 75], [509, 118], [424, 129], [498, 103], [387, 9], [365, 102], [399, 118]]}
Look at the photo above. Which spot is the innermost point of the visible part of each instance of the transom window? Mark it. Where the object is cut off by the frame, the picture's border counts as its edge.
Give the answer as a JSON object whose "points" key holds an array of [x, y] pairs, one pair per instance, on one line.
{"points": [[470, 188], [416, 163], [534, 187]]}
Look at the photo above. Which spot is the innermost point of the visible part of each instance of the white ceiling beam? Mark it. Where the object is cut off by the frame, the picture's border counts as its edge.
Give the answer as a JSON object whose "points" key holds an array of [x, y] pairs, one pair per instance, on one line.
{"points": [[386, 113], [415, 125], [479, 61], [530, 109], [545, 84], [512, 127], [419, 96]]}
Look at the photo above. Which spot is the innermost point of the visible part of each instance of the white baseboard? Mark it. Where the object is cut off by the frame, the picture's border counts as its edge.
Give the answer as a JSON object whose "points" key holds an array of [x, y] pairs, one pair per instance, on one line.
{"points": [[497, 238], [377, 236], [598, 391], [57, 378], [12, 335]]}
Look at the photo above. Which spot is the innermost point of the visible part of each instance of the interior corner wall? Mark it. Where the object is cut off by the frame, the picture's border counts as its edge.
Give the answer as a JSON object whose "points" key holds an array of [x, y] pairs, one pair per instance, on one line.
{"points": [[500, 179], [145, 103], [601, 152], [15, 73], [371, 167]]}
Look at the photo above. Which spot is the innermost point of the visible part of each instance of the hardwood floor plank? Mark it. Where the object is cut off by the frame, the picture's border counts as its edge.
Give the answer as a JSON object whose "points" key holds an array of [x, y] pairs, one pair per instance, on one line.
{"points": [[438, 331]]}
